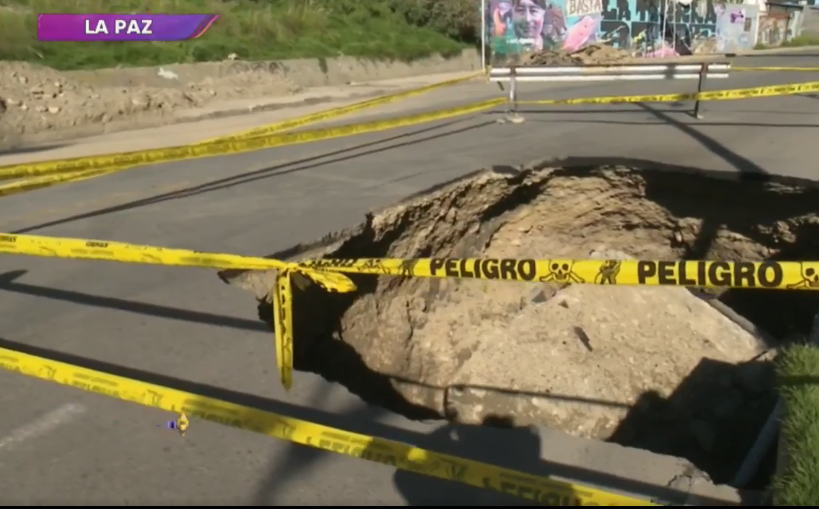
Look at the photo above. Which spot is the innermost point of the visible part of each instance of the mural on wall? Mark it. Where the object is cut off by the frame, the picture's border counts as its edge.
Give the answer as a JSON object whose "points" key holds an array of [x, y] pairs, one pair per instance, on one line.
{"points": [[736, 26], [773, 29], [517, 26], [650, 28]]}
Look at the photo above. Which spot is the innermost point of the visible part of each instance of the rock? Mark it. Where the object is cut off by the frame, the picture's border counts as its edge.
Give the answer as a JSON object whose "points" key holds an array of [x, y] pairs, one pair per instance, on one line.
{"points": [[53, 109], [168, 75], [541, 294], [140, 103]]}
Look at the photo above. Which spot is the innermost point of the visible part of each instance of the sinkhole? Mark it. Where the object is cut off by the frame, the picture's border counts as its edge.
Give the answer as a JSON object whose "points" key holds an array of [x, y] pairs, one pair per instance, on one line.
{"points": [[676, 371]]}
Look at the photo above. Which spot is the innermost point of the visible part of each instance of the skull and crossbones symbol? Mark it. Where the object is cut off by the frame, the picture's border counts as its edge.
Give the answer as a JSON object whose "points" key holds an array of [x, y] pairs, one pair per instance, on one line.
{"points": [[810, 277], [561, 271]]}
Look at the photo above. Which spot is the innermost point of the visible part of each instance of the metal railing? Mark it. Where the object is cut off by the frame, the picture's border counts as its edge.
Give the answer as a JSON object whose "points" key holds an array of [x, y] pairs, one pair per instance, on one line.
{"points": [[618, 72]]}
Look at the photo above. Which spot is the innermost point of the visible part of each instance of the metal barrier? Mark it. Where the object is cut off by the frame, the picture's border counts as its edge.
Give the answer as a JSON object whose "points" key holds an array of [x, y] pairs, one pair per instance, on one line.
{"points": [[616, 72]]}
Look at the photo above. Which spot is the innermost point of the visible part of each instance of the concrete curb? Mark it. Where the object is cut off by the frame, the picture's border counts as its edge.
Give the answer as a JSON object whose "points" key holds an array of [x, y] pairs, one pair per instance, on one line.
{"points": [[304, 72], [772, 51]]}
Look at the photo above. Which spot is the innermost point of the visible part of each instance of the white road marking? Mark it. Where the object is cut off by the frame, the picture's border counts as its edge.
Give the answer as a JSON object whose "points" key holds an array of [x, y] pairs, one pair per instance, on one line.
{"points": [[41, 426]]}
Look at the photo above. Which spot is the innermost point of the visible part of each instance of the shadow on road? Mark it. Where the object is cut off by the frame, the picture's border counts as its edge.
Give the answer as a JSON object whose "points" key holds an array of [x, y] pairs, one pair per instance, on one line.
{"points": [[496, 438], [31, 150], [273, 171], [9, 283]]}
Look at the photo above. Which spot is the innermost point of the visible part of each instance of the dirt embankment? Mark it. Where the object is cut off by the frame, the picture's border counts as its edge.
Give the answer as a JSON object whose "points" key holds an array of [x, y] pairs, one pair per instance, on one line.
{"points": [[601, 54], [41, 104], [655, 368], [36, 100]]}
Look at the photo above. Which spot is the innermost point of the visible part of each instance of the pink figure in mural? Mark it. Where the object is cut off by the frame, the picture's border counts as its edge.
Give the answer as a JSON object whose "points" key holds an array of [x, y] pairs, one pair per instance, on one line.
{"points": [[580, 33], [501, 12], [738, 17], [665, 51]]}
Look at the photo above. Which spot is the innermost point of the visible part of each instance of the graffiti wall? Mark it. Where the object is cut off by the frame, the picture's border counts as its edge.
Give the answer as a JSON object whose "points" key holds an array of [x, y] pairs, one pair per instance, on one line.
{"points": [[651, 28], [773, 28]]}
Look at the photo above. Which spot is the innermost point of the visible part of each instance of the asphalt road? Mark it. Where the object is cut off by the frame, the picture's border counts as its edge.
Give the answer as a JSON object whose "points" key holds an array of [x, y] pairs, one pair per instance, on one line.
{"points": [[59, 445]]}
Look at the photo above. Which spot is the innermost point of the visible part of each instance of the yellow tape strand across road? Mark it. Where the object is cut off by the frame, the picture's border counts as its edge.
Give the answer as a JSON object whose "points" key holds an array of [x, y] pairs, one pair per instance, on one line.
{"points": [[543, 490], [34, 183], [703, 274], [340, 111], [121, 161], [131, 253], [329, 273], [716, 95]]}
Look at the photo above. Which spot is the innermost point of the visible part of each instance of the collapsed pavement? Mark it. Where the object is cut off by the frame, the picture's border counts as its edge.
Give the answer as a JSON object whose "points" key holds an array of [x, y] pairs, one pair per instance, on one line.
{"points": [[652, 368]]}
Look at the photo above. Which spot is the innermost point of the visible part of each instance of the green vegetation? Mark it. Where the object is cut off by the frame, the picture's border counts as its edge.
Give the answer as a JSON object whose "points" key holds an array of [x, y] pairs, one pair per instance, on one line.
{"points": [[253, 30], [796, 42], [803, 40], [798, 372]]}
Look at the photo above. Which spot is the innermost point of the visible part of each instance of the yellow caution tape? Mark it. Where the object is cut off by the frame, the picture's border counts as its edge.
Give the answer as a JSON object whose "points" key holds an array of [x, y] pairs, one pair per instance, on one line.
{"points": [[541, 489], [716, 95], [88, 249], [705, 274], [329, 273], [334, 113], [33, 183], [777, 69], [132, 253], [48, 181], [116, 162], [283, 333]]}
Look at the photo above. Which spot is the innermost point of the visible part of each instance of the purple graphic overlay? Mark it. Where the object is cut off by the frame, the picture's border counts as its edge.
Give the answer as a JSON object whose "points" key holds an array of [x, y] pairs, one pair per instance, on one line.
{"points": [[122, 27]]}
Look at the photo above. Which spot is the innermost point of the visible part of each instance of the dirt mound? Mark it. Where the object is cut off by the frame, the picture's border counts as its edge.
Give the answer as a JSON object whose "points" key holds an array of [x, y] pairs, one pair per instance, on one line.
{"points": [[656, 368], [41, 99], [594, 54]]}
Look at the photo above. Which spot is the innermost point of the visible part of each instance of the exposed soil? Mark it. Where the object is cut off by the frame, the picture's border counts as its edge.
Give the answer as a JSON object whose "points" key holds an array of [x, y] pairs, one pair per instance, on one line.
{"points": [[594, 54], [36, 99], [600, 54], [664, 369]]}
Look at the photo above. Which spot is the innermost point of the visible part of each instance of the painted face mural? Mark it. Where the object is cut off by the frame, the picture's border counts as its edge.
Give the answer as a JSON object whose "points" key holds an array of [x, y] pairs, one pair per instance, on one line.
{"points": [[528, 17]]}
